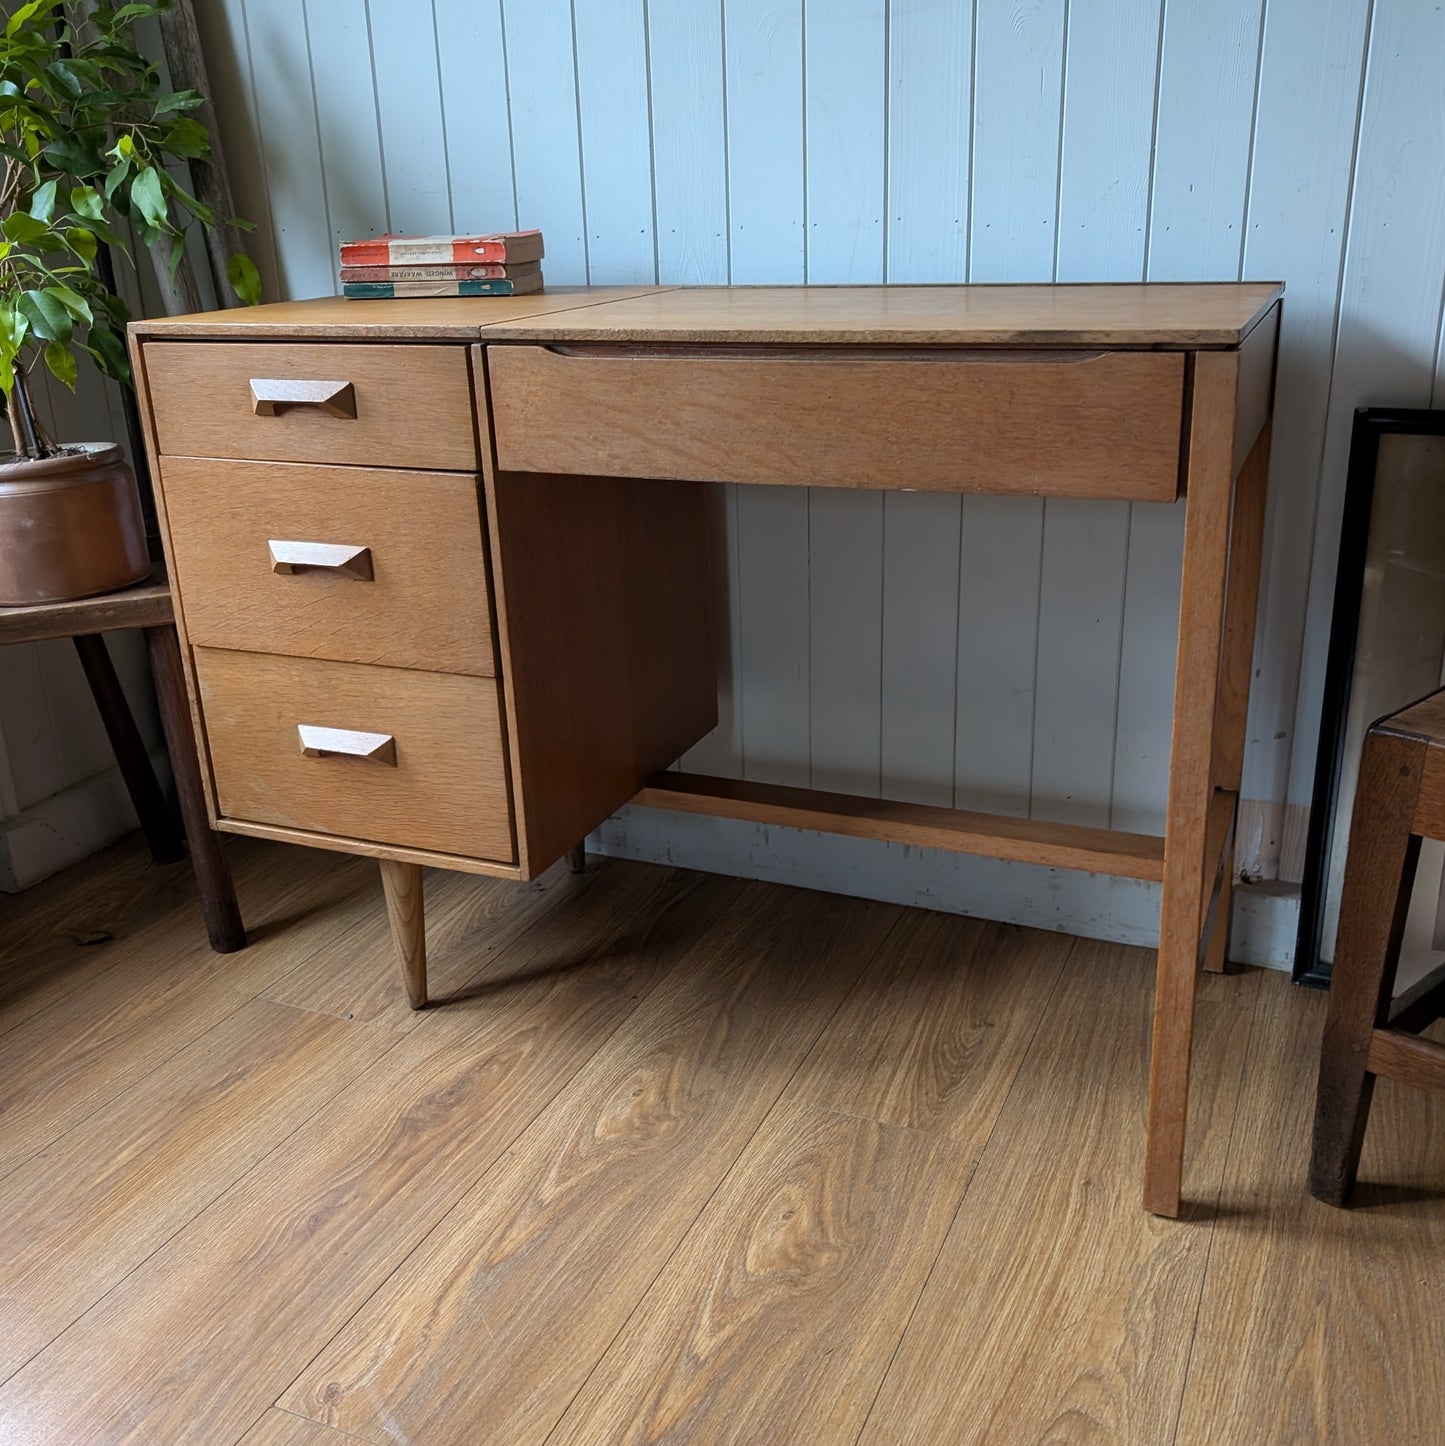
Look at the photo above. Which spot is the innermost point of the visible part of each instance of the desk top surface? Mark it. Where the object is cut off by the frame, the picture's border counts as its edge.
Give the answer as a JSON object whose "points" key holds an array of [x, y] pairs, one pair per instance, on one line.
{"points": [[1180, 315]]}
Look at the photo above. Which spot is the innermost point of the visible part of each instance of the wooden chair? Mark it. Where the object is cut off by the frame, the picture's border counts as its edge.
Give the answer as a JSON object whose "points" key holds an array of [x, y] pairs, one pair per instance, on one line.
{"points": [[1399, 800], [146, 606]]}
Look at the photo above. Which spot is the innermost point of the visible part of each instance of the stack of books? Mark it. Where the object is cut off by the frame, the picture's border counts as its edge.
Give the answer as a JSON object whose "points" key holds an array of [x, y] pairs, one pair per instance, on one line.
{"points": [[506, 264]]}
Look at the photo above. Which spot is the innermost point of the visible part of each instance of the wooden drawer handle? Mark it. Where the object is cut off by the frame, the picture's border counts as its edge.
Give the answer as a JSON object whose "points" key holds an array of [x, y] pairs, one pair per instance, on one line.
{"points": [[347, 743], [337, 558], [270, 396]]}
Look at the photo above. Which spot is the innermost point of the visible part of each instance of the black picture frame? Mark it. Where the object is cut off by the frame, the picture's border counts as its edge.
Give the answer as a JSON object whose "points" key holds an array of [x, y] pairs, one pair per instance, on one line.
{"points": [[1371, 425]]}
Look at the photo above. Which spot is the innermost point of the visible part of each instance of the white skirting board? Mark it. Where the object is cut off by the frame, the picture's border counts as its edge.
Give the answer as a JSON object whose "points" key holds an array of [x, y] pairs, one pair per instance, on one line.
{"points": [[55, 832], [1126, 911]]}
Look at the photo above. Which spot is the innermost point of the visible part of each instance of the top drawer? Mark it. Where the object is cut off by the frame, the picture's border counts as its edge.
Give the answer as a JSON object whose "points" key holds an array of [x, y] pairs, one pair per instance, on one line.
{"points": [[392, 406], [1090, 424]]}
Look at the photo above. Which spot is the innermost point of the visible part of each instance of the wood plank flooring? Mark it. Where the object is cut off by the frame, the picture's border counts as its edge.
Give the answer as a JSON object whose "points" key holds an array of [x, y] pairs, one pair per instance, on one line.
{"points": [[676, 1159]]}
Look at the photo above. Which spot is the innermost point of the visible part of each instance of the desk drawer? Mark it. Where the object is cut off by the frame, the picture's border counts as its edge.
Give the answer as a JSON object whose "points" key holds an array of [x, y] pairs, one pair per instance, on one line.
{"points": [[390, 406], [399, 756], [1080, 424], [399, 576]]}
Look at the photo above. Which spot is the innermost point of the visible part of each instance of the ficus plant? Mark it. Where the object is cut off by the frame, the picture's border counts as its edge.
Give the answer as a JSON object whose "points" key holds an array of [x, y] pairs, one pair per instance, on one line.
{"points": [[90, 140]]}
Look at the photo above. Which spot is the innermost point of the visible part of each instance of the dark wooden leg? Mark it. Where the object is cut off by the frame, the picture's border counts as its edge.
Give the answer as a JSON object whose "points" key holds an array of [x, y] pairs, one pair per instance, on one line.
{"points": [[156, 819], [577, 858], [218, 895], [407, 912], [1376, 898]]}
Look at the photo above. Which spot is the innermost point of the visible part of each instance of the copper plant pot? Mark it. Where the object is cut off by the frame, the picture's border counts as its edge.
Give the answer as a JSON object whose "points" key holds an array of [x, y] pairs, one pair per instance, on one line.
{"points": [[70, 525]]}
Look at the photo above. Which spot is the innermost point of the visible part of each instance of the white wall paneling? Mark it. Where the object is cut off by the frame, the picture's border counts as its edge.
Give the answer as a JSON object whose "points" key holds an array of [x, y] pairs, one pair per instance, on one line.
{"points": [[990, 652]]}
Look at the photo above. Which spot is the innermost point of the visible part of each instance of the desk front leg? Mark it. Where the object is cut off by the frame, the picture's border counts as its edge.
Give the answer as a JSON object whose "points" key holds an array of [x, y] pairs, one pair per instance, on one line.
{"points": [[407, 913], [1189, 872]]}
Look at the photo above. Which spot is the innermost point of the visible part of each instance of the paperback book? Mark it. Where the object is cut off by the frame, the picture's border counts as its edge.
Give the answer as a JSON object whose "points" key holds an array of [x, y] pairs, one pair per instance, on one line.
{"points": [[491, 271], [386, 290], [501, 248]]}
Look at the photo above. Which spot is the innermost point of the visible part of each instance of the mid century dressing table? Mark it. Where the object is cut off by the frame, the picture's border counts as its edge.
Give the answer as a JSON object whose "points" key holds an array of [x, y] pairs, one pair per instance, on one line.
{"points": [[441, 567]]}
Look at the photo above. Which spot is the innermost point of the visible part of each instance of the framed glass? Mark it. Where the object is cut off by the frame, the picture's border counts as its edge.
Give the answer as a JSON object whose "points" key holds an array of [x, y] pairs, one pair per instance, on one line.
{"points": [[1387, 648]]}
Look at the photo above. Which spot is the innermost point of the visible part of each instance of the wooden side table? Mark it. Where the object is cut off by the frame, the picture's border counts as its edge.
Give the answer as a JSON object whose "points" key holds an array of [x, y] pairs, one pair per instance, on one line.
{"points": [[148, 607], [1400, 799]]}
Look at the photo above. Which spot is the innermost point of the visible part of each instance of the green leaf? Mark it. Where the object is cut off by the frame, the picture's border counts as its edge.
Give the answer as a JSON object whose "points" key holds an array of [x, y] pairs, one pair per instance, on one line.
{"points": [[48, 319], [61, 361], [42, 203], [67, 77], [244, 278], [72, 301], [115, 176], [178, 252], [110, 352], [13, 328], [23, 229], [85, 201], [179, 100], [148, 197], [188, 138], [82, 242], [24, 13], [126, 146]]}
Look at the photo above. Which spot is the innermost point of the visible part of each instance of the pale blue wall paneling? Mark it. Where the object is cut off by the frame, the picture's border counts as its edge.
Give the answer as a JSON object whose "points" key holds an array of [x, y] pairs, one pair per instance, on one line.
{"points": [[546, 145], [1311, 73], [615, 99], [1394, 273], [473, 69]]}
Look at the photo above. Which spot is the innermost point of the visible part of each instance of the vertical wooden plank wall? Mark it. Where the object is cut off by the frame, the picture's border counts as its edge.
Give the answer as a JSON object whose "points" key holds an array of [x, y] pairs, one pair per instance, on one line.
{"points": [[989, 652]]}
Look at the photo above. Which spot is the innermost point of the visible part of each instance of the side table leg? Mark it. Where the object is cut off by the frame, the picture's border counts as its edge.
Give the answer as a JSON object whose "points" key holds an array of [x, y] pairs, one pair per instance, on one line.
{"points": [[1376, 898], [407, 912], [218, 895], [156, 820]]}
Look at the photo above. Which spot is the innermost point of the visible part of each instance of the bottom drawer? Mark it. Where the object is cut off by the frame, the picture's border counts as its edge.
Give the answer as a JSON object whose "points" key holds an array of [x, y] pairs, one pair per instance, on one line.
{"points": [[390, 755]]}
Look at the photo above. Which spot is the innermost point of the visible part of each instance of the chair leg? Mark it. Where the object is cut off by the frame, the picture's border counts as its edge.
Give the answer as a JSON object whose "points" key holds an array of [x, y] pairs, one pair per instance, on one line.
{"points": [[1376, 898], [224, 926], [577, 858], [407, 912], [157, 821]]}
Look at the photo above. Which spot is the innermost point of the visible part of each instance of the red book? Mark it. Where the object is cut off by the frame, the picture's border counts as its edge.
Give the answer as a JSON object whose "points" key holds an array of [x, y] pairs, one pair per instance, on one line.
{"points": [[490, 271], [498, 249]]}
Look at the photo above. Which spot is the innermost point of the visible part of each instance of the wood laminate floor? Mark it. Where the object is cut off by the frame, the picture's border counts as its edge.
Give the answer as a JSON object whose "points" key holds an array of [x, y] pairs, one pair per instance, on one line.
{"points": [[678, 1158]]}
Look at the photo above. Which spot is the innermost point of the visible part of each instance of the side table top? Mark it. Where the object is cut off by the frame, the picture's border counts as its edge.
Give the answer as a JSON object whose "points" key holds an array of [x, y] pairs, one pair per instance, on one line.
{"points": [[146, 605]]}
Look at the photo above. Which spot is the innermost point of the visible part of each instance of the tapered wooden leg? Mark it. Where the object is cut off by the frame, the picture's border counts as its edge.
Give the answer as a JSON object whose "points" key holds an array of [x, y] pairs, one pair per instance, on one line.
{"points": [[157, 822], [577, 858], [224, 926], [407, 912], [1188, 872], [1373, 906]]}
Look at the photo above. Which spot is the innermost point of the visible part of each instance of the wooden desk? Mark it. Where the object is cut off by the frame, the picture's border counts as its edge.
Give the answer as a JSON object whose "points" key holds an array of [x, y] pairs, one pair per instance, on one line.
{"points": [[442, 566]]}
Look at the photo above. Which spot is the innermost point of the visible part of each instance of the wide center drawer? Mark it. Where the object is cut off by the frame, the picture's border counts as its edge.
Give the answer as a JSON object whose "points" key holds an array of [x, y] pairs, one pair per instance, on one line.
{"points": [[1082, 424], [390, 406], [357, 564], [388, 755]]}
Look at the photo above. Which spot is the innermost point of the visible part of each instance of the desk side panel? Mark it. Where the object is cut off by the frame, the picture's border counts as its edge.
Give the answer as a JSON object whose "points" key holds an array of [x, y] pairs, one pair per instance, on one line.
{"points": [[605, 628]]}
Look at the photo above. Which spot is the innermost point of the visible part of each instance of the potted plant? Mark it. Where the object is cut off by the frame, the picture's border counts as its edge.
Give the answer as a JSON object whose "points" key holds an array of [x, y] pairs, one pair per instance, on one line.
{"points": [[90, 140]]}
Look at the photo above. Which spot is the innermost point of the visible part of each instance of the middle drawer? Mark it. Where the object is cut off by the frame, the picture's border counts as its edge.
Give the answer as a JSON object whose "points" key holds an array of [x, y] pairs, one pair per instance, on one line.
{"points": [[359, 564]]}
